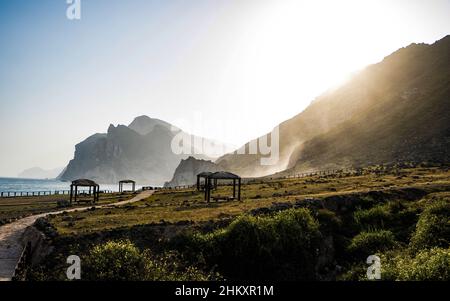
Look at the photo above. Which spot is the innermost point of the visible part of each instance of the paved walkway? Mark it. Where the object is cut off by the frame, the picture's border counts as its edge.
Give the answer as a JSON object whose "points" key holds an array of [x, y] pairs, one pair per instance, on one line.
{"points": [[11, 245]]}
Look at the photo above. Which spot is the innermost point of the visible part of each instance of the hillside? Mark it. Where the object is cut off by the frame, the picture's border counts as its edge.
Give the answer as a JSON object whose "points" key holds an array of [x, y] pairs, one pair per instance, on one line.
{"points": [[396, 110], [311, 228]]}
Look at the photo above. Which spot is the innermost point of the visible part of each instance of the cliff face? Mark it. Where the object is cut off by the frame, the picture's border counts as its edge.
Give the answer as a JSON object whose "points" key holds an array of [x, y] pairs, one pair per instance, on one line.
{"points": [[396, 110], [141, 152], [188, 169], [405, 119]]}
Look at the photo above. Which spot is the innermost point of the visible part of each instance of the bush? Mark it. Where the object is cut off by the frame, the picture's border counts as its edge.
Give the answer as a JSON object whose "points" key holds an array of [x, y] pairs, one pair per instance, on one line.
{"points": [[375, 217], [117, 260], [368, 243], [121, 260], [283, 247], [433, 264], [63, 203], [328, 220], [381, 215], [397, 216], [433, 227]]}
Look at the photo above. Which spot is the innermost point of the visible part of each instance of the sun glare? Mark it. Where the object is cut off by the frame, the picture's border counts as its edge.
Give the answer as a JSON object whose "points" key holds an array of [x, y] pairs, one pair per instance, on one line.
{"points": [[296, 50]]}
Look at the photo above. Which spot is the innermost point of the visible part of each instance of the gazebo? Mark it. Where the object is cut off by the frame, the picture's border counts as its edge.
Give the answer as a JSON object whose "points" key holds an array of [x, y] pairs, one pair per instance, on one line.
{"points": [[133, 183], [222, 175], [203, 175], [93, 188]]}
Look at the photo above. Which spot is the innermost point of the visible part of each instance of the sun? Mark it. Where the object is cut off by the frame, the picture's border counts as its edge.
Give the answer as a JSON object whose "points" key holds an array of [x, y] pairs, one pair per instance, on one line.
{"points": [[296, 50]]}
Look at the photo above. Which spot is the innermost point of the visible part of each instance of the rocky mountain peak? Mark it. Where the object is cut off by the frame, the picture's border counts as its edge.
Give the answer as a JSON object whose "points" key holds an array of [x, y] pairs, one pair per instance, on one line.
{"points": [[144, 124]]}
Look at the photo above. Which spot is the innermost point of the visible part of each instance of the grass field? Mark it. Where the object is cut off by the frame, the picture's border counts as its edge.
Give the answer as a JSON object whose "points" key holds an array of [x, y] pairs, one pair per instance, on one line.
{"points": [[312, 228], [189, 205], [13, 208]]}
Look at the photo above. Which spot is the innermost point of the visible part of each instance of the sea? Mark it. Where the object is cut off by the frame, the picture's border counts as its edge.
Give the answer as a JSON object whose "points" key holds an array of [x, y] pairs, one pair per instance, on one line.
{"points": [[32, 185]]}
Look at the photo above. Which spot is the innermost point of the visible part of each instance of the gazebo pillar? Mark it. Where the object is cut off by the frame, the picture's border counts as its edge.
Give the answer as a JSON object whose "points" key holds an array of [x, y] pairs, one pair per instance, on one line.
{"points": [[71, 193], [206, 190], [198, 183], [239, 189], [209, 190]]}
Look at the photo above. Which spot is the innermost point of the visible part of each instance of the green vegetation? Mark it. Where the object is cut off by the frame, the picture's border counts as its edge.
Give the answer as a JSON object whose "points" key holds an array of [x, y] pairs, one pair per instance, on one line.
{"points": [[188, 205], [283, 229], [432, 264], [13, 208], [371, 242], [121, 260], [433, 227], [283, 246]]}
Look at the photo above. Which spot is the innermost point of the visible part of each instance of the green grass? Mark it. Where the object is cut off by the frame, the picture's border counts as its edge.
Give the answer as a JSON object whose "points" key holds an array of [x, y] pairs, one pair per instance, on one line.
{"points": [[13, 208], [279, 247], [354, 216], [189, 205]]}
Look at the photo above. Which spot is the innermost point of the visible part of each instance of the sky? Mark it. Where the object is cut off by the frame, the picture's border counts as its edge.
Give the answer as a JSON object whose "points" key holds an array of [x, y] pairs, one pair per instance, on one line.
{"points": [[224, 69]]}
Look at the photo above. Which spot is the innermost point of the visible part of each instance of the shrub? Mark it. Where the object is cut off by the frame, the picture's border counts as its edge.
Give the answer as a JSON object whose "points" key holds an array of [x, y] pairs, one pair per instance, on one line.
{"points": [[433, 227], [376, 216], [367, 243], [400, 217], [116, 260], [433, 264], [328, 220], [121, 260], [63, 203], [283, 246]]}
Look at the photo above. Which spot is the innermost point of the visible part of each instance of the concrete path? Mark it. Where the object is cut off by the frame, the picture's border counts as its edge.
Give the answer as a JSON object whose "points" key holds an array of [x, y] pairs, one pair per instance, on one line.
{"points": [[11, 244]]}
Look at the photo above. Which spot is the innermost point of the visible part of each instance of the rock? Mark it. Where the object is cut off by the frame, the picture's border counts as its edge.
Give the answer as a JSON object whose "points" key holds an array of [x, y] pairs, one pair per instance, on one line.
{"points": [[188, 169], [140, 151]]}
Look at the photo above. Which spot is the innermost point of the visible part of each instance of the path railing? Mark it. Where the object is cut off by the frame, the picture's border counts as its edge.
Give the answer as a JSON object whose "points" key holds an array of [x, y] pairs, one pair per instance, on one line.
{"points": [[181, 187], [18, 194], [328, 172]]}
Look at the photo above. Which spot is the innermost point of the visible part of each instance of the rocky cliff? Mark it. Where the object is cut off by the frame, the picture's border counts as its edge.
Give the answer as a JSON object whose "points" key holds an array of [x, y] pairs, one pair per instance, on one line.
{"points": [[188, 169], [141, 152], [395, 110]]}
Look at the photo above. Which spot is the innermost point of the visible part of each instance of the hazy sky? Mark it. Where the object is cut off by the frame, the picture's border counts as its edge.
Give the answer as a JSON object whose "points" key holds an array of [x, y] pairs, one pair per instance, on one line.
{"points": [[225, 69]]}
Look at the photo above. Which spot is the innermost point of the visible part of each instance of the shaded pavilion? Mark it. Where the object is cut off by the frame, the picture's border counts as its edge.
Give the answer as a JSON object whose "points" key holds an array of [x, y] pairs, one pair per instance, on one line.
{"points": [[203, 175], [211, 181], [133, 185], [94, 189]]}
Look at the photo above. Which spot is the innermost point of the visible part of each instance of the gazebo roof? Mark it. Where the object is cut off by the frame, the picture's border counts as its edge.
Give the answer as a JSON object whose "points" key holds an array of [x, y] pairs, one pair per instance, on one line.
{"points": [[204, 174], [223, 175], [127, 181], [84, 182]]}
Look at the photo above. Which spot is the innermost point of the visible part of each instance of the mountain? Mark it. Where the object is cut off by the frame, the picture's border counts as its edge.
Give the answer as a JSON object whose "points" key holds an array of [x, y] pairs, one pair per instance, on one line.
{"points": [[144, 124], [39, 173], [395, 110], [141, 151], [188, 169]]}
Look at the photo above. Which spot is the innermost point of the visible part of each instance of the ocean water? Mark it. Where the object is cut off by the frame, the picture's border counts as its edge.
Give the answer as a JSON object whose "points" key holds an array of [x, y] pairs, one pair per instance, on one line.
{"points": [[30, 185]]}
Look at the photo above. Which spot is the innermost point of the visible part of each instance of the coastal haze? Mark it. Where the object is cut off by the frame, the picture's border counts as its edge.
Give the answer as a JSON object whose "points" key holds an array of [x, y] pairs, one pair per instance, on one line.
{"points": [[50, 186], [224, 141], [226, 61]]}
